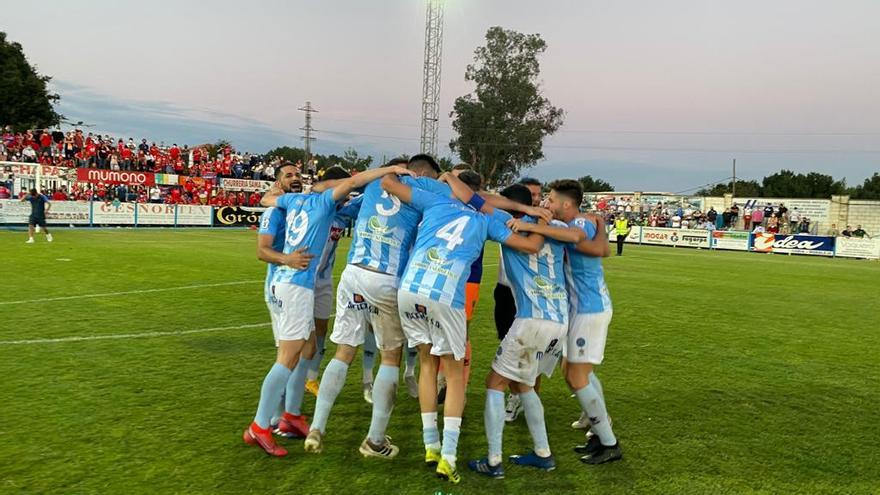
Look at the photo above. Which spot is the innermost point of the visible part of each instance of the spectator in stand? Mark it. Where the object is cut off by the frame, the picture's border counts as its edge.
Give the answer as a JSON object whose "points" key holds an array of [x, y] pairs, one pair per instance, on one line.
{"points": [[757, 217], [734, 212], [773, 224], [847, 232], [155, 194], [860, 232], [782, 210], [784, 227], [833, 232], [795, 219], [175, 196], [60, 194], [803, 226], [4, 191], [768, 210], [759, 229]]}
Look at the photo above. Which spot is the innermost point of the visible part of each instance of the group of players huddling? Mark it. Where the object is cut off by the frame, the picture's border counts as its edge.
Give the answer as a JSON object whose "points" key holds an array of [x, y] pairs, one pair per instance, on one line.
{"points": [[418, 238]]}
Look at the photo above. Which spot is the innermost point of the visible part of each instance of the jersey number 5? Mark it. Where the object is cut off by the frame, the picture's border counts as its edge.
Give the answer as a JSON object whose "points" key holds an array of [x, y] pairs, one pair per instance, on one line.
{"points": [[395, 205], [451, 232]]}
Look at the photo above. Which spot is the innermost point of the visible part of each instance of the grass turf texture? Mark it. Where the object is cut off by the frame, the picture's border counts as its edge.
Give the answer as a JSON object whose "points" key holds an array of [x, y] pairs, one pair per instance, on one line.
{"points": [[725, 373]]}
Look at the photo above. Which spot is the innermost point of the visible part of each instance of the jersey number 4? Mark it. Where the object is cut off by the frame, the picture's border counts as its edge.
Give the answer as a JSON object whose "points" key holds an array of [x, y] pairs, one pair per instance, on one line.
{"points": [[451, 232]]}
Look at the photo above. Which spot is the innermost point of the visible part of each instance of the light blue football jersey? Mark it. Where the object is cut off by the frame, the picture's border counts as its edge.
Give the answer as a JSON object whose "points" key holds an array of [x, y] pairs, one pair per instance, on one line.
{"points": [[307, 218], [587, 292], [538, 280], [386, 228], [341, 221], [272, 223], [450, 238]]}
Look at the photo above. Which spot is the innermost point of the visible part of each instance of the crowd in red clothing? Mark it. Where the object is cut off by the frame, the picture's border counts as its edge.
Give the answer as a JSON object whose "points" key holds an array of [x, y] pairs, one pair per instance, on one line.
{"points": [[189, 194], [85, 150]]}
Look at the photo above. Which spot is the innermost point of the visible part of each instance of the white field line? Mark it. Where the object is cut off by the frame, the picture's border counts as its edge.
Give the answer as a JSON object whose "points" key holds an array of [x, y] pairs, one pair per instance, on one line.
{"points": [[127, 292], [129, 335]]}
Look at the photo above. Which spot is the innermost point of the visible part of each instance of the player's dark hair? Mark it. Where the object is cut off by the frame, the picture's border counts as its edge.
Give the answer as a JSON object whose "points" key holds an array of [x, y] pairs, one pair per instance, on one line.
{"points": [[33, 192], [530, 181], [423, 160], [279, 167], [471, 179], [335, 173], [569, 188], [397, 161], [518, 193], [462, 166]]}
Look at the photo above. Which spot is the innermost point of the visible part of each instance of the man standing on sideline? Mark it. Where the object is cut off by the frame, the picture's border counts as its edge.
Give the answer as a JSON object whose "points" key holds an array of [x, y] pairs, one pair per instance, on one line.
{"points": [[40, 205], [622, 228]]}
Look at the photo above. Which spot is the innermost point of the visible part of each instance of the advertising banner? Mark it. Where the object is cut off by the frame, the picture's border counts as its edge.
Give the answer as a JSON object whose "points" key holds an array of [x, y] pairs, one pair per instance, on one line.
{"points": [[237, 216], [675, 237], [155, 214], [816, 210], [193, 215], [166, 179], [29, 171], [60, 213], [854, 247], [728, 239], [110, 214], [95, 176], [793, 244], [244, 185]]}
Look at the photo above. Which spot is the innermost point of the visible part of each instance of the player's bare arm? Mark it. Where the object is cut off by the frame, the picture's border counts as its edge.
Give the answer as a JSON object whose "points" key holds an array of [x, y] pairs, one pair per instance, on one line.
{"points": [[298, 259], [571, 235], [346, 186], [392, 185]]}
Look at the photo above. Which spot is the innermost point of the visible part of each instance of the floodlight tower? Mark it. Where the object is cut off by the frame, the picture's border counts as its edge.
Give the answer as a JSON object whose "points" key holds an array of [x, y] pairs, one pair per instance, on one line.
{"points": [[431, 83]]}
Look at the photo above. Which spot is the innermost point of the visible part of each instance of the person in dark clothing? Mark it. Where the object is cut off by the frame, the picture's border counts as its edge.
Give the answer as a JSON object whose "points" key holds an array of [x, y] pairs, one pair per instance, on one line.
{"points": [[39, 207]]}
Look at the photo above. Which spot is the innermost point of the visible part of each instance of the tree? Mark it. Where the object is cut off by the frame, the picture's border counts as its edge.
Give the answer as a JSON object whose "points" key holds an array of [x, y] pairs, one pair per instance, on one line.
{"points": [[352, 161], [287, 154], [594, 185], [787, 184], [25, 102], [869, 190], [502, 125], [744, 189]]}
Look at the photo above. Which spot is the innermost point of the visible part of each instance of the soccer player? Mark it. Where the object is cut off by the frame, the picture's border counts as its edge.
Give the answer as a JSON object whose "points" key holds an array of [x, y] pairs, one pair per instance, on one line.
{"points": [[541, 323], [505, 304], [270, 249], [590, 314], [367, 298], [40, 206], [431, 302], [308, 218], [324, 281]]}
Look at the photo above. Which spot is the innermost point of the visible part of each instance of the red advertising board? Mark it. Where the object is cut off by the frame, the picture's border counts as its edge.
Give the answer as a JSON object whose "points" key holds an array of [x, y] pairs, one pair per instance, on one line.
{"points": [[95, 176]]}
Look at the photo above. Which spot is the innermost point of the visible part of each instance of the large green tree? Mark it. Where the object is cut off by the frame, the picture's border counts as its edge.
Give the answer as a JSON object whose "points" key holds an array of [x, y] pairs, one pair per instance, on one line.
{"points": [[502, 124], [787, 184], [744, 189], [594, 185], [25, 101], [870, 189]]}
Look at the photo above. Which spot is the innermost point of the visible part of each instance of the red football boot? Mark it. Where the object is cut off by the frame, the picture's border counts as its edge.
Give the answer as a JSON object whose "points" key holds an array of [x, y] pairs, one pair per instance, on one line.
{"points": [[293, 426], [255, 435]]}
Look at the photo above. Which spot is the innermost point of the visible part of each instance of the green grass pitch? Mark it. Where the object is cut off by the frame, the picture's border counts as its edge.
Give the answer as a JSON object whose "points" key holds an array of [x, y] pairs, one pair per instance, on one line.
{"points": [[725, 373]]}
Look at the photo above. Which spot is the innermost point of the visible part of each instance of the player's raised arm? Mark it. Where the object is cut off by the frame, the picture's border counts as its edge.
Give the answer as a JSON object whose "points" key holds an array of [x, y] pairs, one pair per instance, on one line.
{"points": [[597, 246], [344, 188], [571, 235], [272, 195], [392, 185]]}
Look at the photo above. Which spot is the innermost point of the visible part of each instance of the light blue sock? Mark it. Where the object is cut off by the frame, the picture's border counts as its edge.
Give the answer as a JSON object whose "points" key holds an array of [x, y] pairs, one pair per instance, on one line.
{"points": [[331, 384], [430, 433], [319, 356], [535, 419], [296, 387], [594, 381], [370, 351], [493, 419], [591, 403], [270, 394], [451, 431], [384, 391], [411, 355]]}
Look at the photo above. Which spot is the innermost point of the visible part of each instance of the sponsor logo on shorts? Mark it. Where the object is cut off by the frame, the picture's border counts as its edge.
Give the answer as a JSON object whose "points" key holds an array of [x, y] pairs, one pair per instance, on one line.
{"points": [[421, 313], [358, 303]]}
